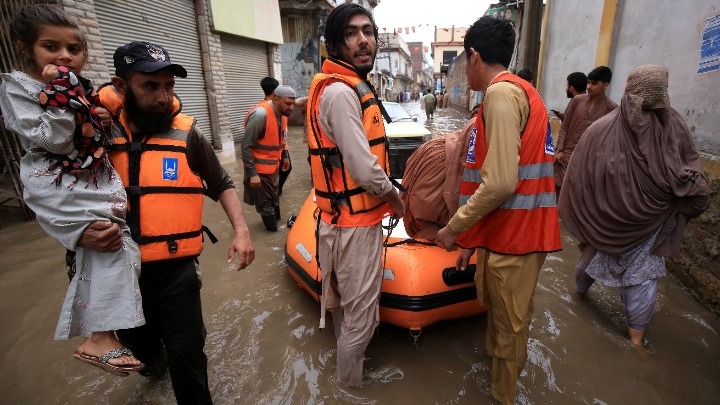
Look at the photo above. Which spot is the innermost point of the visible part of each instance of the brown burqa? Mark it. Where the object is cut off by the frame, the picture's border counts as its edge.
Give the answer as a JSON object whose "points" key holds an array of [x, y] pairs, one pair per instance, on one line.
{"points": [[635, 170]]}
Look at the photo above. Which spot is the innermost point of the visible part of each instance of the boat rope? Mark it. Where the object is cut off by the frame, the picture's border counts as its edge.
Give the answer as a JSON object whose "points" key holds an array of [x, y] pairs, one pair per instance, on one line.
{"points": [[410, 241], [390, 227], [415, 334]]}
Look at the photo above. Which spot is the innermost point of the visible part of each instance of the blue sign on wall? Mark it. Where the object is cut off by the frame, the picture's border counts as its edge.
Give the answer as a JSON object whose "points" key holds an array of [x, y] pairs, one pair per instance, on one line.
{"points": [[710, 46]]}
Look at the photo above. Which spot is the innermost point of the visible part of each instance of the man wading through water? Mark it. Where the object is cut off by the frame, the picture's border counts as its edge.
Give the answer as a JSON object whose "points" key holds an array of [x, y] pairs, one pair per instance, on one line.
{"points": [[349, 164]]}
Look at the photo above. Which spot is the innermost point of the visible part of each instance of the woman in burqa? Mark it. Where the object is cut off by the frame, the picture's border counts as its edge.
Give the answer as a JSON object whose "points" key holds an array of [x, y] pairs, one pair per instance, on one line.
{"points": [[632, 184]]}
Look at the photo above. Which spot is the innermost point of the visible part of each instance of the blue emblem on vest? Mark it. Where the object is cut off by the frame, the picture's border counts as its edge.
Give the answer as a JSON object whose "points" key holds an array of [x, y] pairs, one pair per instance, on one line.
{"points": [[170, 168], [549, 148], [470, 158]]}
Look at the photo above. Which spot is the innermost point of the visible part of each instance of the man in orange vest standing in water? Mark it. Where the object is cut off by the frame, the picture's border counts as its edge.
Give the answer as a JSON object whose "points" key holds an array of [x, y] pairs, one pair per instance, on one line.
{"points": [[508, 210], [265, 153], [167, 167], [349, 164]]}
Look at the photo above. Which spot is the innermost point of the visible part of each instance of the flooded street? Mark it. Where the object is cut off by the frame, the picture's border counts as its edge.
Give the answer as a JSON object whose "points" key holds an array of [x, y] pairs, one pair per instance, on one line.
{"points": [[264, 345]]}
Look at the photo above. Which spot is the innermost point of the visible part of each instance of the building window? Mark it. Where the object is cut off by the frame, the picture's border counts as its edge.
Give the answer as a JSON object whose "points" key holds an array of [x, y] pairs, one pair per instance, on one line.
{"points": [[448, 57]]}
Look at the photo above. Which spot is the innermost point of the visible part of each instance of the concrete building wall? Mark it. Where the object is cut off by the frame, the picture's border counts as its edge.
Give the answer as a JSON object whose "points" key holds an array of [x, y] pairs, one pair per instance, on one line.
{"points": [[296, 71], [571, 43], [669, 33], [456, 85], [660, 32]]}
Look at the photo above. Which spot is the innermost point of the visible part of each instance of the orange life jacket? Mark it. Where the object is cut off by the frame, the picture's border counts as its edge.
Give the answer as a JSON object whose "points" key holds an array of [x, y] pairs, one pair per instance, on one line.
{"points": [[528, 221], [165, 198], [340, 198], [267, 150]]}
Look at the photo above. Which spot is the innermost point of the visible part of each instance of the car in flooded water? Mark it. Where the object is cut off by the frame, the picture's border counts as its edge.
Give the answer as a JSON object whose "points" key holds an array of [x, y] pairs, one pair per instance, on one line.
{"points": [[404, 134]]}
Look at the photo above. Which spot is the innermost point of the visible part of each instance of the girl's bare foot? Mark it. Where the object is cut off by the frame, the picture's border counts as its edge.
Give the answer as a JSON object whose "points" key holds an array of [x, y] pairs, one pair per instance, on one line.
{"points": [[636, 336], [100, 343]]}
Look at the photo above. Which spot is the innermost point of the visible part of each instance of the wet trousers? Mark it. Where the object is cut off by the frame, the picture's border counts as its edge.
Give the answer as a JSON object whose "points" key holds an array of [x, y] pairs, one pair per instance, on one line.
{"points": [[639, 299], [171, 303], [266, 197], [283, 176], [507, 285], [350, 260]]}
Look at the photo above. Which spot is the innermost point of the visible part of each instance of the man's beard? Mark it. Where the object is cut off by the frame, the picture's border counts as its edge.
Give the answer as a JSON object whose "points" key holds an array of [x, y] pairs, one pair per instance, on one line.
{"points": [[365, 70], [569, 95], [147, 122]]}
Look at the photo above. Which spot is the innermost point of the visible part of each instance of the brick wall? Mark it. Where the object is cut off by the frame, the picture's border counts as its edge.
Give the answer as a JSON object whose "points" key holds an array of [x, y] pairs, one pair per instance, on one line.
{"points": [[96, 65], [215, 81]]}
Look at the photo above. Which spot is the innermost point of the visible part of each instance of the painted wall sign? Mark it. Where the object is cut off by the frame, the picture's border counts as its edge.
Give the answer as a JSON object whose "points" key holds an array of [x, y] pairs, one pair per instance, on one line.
{"points": [[710, 46]]}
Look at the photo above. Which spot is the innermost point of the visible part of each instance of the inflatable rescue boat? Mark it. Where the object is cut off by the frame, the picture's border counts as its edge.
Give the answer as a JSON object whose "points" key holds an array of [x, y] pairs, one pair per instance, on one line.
{"points": [[420, 284]]}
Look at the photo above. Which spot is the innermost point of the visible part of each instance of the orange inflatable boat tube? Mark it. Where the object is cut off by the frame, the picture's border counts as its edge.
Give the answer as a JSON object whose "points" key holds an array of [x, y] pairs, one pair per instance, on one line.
{"points": [[420, 284]]}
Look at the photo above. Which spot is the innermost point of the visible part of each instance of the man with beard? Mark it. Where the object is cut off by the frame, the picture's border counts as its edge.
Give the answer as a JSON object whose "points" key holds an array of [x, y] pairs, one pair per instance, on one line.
{"points": [[167, 166], [576, 84], [349, 166], [582, 111], [269, 84], [265, 154]]}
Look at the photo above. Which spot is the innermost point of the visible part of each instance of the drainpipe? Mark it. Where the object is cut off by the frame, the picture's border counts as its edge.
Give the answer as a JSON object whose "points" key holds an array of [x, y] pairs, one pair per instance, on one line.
{"points": [[543, 44], [203, 21], [605, 37]]}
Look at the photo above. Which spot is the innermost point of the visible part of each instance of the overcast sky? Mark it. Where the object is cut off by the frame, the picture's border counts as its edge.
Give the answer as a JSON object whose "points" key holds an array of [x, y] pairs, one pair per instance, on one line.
{"points": [[425, 15]]}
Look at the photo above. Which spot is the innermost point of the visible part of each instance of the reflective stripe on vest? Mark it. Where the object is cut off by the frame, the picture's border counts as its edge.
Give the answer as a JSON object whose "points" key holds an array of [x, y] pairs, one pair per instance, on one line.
{"points": [[534, 171], [341, 199], [165, 198], [527, 222]]}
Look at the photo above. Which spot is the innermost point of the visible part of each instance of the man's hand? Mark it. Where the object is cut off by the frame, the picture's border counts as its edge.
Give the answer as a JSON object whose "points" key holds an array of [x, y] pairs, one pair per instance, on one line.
{"points": [[255, 181], [559, 156], [104, 115], [463, 259], [101, 236], [398, 208], [242, 245], [49, 72], [446, 238], [396, 203], [285, 165]]}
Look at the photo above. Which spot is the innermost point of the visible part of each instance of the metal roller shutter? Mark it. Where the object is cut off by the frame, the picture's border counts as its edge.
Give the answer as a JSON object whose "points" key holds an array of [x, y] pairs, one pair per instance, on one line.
{"points": [[170, 23], [246, 63]]}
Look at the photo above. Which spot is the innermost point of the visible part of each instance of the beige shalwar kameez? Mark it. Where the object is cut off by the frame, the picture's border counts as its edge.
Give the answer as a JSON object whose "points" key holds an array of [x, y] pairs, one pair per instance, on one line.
{"points": [[350, 257]]}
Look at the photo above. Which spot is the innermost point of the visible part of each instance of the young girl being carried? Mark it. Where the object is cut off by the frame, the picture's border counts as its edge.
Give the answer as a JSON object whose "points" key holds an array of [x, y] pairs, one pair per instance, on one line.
{"points": [[69, 182]]}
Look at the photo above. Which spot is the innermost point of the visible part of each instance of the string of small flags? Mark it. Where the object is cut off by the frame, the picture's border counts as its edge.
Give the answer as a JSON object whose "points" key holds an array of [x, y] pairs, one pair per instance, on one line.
{"points": [[407, 30]]}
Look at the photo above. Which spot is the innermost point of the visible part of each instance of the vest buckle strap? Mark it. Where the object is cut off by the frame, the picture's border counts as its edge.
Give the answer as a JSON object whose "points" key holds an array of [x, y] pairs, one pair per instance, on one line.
{"points": [[133, 191], [172, 246]]}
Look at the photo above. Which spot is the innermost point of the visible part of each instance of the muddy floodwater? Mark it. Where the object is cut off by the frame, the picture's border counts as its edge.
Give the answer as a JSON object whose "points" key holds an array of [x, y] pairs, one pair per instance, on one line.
{"points": [[264, 345]]}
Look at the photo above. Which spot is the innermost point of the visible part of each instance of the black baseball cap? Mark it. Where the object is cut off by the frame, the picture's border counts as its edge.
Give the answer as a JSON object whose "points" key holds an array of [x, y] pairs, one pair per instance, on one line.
{"points": [[144, 57]]}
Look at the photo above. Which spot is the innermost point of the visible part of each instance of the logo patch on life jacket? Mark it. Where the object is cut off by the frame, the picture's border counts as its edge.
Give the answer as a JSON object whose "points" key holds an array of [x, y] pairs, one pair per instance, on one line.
{"points": [[170, 168], [470, 158], [549, 148]]}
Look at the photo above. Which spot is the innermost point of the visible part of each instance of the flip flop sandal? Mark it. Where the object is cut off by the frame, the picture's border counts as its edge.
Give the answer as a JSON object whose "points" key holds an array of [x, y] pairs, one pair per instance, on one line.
{"points": [[102, 361]]}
